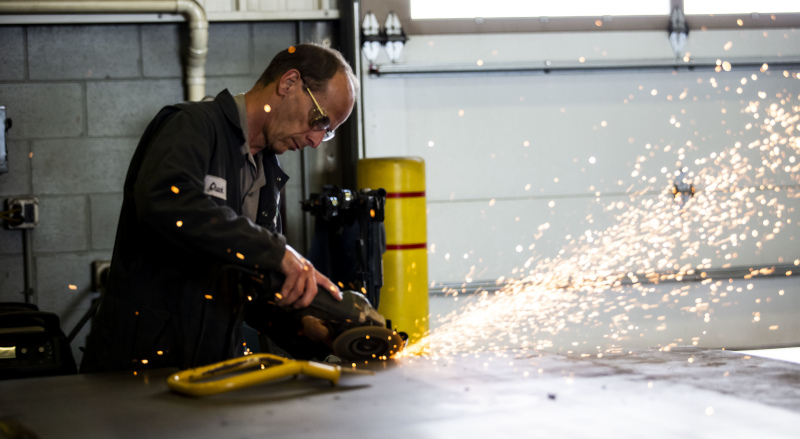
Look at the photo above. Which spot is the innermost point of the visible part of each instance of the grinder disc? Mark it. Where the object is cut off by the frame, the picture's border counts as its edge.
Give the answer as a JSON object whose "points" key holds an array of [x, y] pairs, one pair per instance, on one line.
{"points": [[366, 343]]}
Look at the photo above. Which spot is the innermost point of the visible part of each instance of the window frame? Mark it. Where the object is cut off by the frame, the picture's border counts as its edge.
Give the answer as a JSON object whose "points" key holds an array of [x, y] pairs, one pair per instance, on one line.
{"points": [[402, 8]]}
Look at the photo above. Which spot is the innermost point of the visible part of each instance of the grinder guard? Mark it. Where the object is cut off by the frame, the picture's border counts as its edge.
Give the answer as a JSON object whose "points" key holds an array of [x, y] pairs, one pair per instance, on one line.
{"points": [[353, 310], [359, 332]]}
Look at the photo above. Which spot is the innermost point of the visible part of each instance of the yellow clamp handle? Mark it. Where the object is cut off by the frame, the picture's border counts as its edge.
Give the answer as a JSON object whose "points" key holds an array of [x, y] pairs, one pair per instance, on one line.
{"points": [[204, 381]]}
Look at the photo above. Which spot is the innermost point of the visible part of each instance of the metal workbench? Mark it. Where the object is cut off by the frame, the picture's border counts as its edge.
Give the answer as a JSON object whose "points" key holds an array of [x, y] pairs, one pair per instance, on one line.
{"points": [[685, 392]]}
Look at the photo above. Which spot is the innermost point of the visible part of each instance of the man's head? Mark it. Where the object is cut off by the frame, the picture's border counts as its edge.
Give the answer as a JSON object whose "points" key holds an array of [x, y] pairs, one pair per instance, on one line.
{"points": [[305, 93]]}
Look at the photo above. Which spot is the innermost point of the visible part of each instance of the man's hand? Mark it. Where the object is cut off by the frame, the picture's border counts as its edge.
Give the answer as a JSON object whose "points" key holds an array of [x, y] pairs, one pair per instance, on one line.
{"points": [[300, 285]]}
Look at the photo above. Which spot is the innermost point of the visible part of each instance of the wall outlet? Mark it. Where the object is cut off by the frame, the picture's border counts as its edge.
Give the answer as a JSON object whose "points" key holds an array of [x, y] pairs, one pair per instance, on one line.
{"points": [[22, 213], [100, 274]]}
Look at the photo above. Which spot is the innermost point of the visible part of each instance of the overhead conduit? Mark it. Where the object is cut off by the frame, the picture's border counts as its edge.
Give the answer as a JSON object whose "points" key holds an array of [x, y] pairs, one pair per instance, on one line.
{"points": [[194, 13]]}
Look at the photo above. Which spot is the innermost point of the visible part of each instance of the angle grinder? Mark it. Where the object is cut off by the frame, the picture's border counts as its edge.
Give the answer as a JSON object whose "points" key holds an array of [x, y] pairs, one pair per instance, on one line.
{"points": [[360, 333]]}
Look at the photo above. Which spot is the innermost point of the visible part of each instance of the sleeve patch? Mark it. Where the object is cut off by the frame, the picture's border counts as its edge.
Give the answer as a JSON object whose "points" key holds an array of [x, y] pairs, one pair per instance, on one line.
{"points": [[215, 187]]}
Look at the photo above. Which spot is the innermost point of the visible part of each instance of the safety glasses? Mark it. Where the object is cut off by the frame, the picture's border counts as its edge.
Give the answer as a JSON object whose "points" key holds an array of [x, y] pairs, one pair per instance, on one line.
{"points": [[317, 118]]}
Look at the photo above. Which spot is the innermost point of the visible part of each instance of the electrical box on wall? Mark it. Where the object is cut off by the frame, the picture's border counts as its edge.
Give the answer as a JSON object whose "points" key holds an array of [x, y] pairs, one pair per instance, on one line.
{"points": [[3, 148], [21, 213]]}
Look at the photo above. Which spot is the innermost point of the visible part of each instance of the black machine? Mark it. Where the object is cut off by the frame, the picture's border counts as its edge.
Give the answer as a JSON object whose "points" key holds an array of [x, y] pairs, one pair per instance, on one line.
{"points": [[349, 238], [32, 343], [349, 242]]}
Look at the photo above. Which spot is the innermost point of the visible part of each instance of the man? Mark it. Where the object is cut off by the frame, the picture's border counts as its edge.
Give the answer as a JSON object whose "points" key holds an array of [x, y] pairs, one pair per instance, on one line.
{"points": [[201, 205]]}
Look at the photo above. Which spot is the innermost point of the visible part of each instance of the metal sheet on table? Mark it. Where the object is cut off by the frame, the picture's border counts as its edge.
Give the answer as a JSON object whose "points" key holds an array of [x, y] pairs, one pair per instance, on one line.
{"points": [[505, 394]]}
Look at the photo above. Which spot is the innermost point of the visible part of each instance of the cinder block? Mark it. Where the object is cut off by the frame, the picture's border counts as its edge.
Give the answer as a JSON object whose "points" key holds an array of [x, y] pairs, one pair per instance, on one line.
{"points": [[165, 48], [234, 84], [105, 216], [228, 49], [64, 288], [79, 166], [62, 279], [125, 108], [10, 241], [43, 111], [62, 225], [12, 276], [17, 181], [162, 53], [12, 56], [269, 38], [85, 51]]}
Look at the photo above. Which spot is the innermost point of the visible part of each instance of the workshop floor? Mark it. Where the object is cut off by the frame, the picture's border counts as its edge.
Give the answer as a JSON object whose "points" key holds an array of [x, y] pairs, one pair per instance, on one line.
{"points": [[685, 392]]}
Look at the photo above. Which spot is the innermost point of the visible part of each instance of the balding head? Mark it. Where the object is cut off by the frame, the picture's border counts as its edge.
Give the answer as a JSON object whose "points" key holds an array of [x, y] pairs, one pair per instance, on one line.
{"points": [[316, 64]]}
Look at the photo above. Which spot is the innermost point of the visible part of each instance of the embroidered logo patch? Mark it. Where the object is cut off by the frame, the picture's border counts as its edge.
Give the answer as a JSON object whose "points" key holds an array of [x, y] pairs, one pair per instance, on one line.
{"points": [[215, 187]]}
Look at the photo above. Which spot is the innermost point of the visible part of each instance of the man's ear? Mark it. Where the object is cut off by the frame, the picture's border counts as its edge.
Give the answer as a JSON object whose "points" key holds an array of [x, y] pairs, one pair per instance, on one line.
{"points": [[288, 80]]}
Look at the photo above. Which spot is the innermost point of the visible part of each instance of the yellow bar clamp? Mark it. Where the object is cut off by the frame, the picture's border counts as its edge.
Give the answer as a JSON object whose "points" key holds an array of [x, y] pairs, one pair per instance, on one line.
{"points": [[205, 380]]}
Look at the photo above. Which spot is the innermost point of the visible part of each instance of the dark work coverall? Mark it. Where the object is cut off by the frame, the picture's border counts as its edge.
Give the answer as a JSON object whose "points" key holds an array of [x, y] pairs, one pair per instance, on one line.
{"points": [[169, 301]]}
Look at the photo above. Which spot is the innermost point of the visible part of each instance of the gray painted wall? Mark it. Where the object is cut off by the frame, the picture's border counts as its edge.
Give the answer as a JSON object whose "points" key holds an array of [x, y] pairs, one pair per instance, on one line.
{"points": [[80, 97]]}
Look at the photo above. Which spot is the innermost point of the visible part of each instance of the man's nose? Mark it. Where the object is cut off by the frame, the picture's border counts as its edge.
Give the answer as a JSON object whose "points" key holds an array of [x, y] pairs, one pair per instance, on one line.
{"points": [[315, 138]]}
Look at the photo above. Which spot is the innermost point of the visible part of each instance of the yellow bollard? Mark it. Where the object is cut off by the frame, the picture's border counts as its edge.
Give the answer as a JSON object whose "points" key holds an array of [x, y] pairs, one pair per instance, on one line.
{"points": [[404, 296]]}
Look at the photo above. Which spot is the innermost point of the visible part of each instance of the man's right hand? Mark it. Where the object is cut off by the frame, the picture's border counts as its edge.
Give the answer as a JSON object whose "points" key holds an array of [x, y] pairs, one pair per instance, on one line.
{"points": [[300, 286]]}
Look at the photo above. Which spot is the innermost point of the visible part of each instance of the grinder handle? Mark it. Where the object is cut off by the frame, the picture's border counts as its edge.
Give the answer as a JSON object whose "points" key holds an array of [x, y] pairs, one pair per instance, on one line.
{"points": [[353, 308]]}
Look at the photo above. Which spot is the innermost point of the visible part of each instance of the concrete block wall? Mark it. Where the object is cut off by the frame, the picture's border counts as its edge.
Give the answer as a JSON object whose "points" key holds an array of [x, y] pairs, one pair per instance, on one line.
{"points": [[79, 97]]}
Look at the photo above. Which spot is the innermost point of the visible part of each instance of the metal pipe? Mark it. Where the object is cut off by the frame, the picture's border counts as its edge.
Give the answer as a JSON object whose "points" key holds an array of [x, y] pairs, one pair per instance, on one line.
{"points": [[661, 277], [359, 116], [195, 75], [195, 15], [545, 68], [30, 276]]}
